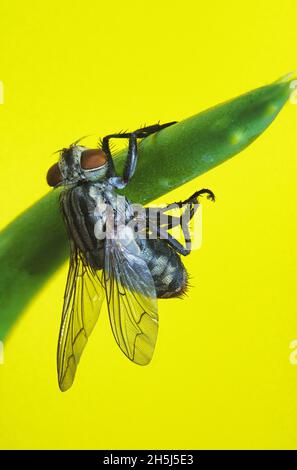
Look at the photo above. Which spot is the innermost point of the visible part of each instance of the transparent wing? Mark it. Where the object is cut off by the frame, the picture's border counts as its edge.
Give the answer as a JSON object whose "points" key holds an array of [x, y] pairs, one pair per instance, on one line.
{"points": [[131, 299], [83, 298]]}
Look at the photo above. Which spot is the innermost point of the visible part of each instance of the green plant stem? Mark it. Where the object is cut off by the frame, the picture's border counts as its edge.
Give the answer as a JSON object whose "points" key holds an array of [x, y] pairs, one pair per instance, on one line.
{"points": [[35, 244]]}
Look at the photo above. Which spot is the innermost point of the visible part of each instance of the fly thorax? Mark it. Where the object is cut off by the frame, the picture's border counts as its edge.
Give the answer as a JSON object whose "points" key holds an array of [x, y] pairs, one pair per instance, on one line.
{"points": [[100, 210]]}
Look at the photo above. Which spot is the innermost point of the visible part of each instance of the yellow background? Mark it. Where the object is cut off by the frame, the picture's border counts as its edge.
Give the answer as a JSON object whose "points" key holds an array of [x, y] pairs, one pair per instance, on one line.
{"points": [[221, 375]]}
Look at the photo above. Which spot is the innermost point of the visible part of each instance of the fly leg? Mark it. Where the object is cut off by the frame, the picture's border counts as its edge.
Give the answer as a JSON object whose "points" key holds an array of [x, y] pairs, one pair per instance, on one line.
{"points": [[191, 203], [197, 194], [161, 228], [131, 161]]}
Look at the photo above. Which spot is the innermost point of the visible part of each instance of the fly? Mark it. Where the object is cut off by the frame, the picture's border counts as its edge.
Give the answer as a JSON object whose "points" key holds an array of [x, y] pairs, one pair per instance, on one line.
{"points": [[131, 271]]}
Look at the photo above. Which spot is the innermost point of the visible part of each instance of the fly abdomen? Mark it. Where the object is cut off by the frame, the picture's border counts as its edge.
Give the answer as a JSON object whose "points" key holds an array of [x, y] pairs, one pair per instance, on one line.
{"points": [[168, 272]]}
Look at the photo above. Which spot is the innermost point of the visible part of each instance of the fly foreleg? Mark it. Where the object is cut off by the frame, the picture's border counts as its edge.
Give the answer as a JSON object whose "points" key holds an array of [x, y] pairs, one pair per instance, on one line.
{"points": [[132, 156]]}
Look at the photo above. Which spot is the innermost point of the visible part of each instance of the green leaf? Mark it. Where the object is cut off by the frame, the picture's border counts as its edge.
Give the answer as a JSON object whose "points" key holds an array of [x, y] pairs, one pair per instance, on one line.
{"points": [[35, 244]]}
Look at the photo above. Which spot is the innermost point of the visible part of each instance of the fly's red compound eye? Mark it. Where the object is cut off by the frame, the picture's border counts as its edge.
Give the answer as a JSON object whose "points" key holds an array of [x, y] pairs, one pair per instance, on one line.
{"points": [[54, 176], [92, 158]]}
